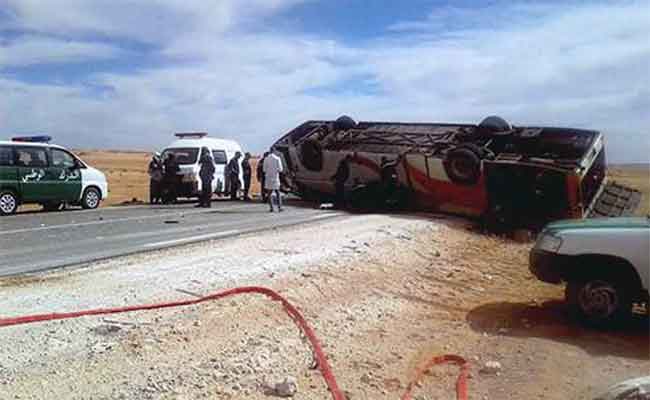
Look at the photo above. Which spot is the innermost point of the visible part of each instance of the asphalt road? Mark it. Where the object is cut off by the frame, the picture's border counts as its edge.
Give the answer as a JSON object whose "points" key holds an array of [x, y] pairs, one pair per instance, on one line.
{"points": [[38, 241]]}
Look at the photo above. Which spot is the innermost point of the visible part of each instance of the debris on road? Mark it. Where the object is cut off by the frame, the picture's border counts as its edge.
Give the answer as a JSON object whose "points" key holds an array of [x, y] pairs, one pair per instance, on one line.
{"points": [[288, 387], [491, 368]]}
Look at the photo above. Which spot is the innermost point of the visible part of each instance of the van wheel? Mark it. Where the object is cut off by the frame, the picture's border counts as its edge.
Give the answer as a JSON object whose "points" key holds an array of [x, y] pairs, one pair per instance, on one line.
{"points": [[8, 203], [91, 199]]}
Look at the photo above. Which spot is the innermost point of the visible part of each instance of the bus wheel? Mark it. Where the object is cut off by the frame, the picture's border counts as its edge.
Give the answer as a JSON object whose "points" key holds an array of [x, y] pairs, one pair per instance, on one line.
{"points": [[344, 123], [463, 165], [91, 199], [8, 203], [495, 126]]}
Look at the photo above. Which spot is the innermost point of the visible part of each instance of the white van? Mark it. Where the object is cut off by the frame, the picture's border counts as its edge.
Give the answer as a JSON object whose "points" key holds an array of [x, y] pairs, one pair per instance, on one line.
{"points": [[187, 151]]}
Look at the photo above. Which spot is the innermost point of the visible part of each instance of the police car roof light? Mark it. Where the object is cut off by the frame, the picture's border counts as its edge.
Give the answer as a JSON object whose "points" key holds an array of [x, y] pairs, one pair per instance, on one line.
{"points": [[193, 135], [32, 139]]}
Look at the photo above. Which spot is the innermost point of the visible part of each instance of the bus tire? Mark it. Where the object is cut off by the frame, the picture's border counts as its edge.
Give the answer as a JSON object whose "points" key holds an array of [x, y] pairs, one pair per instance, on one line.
{"points": [[494, 126], [8, 202], [463, 165], [344, 123], [91, 198]]}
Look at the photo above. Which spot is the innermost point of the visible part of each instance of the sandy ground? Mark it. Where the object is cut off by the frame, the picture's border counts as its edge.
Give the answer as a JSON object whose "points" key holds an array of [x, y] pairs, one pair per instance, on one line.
{"points": [[382, 292]]}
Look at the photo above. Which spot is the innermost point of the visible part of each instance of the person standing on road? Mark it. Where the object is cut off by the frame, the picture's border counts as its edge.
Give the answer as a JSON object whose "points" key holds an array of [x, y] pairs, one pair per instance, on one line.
{"points": [[233, 174], [340, 177], [247, 172], [260, 175], [155, 179], [272, 170], [170, 178], [207, 176]]}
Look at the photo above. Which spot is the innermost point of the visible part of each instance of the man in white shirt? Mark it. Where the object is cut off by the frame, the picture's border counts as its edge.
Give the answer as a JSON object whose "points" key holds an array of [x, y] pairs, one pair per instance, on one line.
{"points": [[272, 170]]}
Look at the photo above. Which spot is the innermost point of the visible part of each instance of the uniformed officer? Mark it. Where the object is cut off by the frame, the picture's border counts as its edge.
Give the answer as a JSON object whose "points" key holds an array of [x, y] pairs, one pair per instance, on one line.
{"points": [[340, 177], [233, 173], [155, 179], [247, 173], [170, 179], [260, 175], [207, 175]]}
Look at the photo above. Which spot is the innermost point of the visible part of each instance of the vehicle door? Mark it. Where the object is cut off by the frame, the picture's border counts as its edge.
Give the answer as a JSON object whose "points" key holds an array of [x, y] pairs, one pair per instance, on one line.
{"points": [[32, 164], [65, 176], [220, 161], [8, 170]]}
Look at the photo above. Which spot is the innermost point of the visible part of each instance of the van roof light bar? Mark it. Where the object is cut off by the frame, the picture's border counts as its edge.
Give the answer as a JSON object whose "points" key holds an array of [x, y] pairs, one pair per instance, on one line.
{"points": [[32, 139], [191, 135]]}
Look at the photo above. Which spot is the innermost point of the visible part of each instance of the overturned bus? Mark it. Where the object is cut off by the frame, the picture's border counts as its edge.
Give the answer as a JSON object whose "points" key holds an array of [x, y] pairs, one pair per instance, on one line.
{"points": [[506, 176]]}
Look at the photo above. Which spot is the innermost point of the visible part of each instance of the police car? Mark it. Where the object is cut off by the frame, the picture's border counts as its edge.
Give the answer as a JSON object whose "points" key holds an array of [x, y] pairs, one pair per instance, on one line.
{"points": [[32, 171]]}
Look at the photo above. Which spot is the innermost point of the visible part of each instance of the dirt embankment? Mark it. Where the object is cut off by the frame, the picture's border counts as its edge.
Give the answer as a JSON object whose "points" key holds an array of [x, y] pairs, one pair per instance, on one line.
{"points": [[384, 293]]}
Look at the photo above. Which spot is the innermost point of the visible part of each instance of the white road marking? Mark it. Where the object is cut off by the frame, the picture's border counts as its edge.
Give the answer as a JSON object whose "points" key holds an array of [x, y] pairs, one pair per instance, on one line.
{"points": [[110, 221], [323, 216], [192, 239], [211, 236]]}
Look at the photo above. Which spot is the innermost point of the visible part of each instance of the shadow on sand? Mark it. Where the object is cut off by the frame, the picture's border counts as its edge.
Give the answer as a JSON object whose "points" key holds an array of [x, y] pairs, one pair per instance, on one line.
{"points": [[552, 320]]}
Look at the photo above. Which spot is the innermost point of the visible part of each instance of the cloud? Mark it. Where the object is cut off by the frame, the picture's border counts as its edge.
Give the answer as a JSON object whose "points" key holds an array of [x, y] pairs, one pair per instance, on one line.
{"points": [[153, 22], [225, 69], [31, 50]]}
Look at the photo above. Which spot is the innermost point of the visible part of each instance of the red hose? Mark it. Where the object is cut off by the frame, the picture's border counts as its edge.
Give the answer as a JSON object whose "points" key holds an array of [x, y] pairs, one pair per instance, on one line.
{"points": [[323, 365], [461, 381]]}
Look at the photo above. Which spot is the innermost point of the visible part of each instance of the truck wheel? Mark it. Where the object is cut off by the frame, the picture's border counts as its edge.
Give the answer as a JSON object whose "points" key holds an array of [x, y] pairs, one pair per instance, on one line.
{"points": [[91, 199], [8, 203], [463, 165], [599, 301]]}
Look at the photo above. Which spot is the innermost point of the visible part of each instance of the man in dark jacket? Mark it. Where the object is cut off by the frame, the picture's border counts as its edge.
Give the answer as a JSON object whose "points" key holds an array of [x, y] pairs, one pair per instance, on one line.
{"points": [[247, 173], [260, 175], [155, 179], [340, 177], [207, 175], [170, 179], [233, 173]]}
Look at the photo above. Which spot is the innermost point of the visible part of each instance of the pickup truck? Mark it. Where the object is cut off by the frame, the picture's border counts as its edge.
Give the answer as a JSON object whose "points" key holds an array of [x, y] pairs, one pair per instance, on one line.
{"points": [[604, 262]]}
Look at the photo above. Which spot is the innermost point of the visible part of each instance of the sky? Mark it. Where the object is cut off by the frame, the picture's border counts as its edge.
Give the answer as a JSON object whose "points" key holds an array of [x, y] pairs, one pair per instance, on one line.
{"points": [[127, 74]]}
